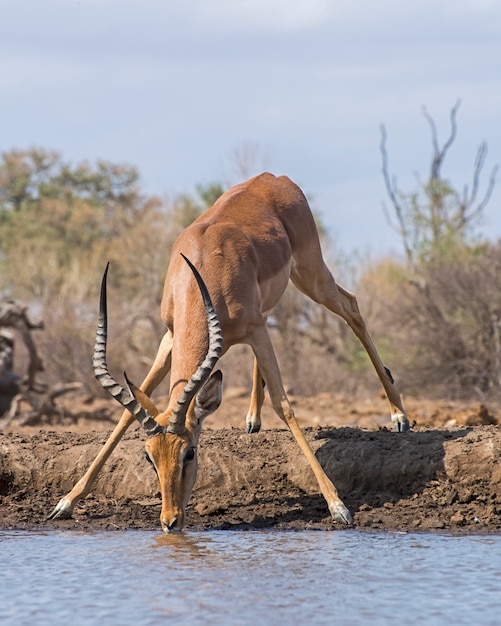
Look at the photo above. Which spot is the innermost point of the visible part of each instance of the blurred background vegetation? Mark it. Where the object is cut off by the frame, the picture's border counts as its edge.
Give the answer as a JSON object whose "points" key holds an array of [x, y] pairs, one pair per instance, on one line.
{"points": [[434, 313]]}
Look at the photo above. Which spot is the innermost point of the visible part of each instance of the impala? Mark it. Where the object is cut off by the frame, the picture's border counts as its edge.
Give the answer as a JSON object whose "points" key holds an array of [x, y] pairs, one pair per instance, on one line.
{"points": [[256, 237]]}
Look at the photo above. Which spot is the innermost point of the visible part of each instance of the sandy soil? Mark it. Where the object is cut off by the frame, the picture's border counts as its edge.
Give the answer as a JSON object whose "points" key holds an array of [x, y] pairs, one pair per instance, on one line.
{"points": [[443, 475]]}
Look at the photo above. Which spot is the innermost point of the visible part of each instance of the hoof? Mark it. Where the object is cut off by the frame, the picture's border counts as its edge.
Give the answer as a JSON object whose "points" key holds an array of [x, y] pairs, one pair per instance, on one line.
{"points": [[340, 513], [63, 510], [400, 423], [252, 427]]}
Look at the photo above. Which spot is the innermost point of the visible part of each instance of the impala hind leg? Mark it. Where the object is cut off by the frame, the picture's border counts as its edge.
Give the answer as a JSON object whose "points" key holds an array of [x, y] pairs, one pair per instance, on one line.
{"points": [[322, 288], [351, 313], [268, 365], [253, 419], [157, 373]]}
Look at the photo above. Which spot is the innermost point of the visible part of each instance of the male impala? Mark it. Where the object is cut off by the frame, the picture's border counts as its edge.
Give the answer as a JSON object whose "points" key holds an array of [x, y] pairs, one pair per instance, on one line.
{"points": [[256, 237]]}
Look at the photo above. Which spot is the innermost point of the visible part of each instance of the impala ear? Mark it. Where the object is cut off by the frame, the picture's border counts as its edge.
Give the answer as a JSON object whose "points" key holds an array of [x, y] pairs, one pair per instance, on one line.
{"points": [[209, 397], [145, 401]]}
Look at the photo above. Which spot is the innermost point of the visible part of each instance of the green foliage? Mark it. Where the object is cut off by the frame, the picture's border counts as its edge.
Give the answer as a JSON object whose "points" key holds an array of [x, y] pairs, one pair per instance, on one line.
{"points": [[434, 226], [22, 173], [59, 225], [54, 217]]}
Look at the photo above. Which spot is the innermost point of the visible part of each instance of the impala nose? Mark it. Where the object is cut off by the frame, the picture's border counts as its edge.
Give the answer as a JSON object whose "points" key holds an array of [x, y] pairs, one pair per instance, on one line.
{"points": [[171, 526]]}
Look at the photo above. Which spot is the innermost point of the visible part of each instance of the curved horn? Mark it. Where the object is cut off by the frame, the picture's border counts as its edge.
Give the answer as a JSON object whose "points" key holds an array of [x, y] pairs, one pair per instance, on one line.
{"points": [[101, 372], [178, 417]]}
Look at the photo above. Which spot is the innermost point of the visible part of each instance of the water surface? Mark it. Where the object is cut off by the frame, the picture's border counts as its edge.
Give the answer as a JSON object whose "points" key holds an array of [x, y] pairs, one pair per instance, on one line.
{"points": [[261, 577]]}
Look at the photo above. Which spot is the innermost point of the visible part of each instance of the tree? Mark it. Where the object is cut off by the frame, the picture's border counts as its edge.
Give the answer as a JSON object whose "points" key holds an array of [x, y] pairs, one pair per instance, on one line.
{"points": [[59, 225], [22, 175], [444, 310], [435, 216]]}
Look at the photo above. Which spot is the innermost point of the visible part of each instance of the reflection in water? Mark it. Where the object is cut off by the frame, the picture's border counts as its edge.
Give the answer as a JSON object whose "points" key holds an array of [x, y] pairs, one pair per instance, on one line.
{"points": [[183, 547], [263, 577]]}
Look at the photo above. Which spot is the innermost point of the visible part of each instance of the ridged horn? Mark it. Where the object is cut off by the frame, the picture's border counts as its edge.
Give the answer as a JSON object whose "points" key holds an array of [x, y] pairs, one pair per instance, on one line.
{"points": [[101, 372], [177, 421]]}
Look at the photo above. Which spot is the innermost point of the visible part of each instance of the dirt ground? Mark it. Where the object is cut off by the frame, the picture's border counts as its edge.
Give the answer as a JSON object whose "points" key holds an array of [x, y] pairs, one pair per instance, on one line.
{"points": [[445, 475]]}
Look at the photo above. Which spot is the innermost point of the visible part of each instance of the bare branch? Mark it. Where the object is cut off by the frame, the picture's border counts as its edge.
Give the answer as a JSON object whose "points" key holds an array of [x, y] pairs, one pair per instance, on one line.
{"points": [[490, 188], [469, 198], [479, 164], [391, 188], [439, 154], [434, 135]]}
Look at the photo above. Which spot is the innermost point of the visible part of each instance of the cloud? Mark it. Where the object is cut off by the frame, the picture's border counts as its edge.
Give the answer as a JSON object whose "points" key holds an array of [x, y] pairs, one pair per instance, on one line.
{"points": [[174, 87]]}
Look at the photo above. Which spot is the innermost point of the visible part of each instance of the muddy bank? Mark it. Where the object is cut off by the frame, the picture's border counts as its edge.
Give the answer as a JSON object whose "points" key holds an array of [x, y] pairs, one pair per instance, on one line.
{"points": [[440, 479]]}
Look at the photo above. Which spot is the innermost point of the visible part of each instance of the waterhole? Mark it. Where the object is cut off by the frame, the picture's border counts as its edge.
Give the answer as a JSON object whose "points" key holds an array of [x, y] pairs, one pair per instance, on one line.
{"points": [[260, 577]]}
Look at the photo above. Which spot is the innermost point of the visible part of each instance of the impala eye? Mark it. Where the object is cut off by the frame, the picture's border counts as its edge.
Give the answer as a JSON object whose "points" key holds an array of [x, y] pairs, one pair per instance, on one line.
{"points": [[190, 454]]}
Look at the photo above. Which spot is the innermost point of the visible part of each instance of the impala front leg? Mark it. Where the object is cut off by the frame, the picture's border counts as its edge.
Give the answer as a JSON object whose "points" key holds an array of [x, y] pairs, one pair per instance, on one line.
{"points": [[265, 355], [65, 506], [159, 369]]}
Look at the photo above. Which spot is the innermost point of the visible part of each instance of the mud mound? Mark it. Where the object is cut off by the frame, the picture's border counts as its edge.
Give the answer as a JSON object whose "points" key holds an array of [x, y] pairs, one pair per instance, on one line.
{"points": [[448, 478]]}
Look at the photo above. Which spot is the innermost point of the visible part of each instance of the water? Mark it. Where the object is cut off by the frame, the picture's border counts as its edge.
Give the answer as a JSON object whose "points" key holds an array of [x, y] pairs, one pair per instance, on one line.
{"points": [[228, 577]]}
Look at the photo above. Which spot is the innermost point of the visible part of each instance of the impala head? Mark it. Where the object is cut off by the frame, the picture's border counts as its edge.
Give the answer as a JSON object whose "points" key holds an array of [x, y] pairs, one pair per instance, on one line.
{"points": [[174, 454], [172, 436]]}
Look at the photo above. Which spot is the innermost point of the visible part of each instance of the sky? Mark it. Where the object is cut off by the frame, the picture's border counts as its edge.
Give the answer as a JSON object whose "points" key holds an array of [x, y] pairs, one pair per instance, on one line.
{"points": [[296, 87]]}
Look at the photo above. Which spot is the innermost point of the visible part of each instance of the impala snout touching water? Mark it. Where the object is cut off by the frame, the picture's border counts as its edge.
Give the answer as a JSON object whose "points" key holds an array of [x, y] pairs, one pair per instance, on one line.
{"points": [[174, 456], [256, 237]]}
